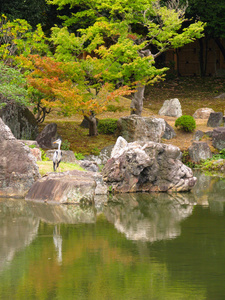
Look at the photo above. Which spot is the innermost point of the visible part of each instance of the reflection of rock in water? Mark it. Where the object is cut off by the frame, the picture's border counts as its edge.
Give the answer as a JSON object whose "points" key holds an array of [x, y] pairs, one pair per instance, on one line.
{"points": [[18, 227], [69, 214], [210, 191], [149, 217]]}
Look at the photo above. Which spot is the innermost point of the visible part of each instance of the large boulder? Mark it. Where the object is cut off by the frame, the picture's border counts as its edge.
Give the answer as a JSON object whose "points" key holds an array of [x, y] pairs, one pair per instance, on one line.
{"points": [[136, 128], [218, 138], [146, 167], [48, 135], [20, 120], [18, 168], [68, 187], [203, 113], [199, 151], [171, 108]]}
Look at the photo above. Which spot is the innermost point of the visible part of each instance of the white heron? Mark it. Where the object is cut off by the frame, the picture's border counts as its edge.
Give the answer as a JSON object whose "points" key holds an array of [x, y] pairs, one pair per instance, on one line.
{"points": [[57, 155]]}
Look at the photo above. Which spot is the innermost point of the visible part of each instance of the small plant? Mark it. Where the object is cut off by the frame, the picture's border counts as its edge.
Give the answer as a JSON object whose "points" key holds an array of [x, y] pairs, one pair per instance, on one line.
{"points": [[43, 155], [79, 156], [107, 126], [32, 146], [95, 151], [65, 145], [186, 123]]}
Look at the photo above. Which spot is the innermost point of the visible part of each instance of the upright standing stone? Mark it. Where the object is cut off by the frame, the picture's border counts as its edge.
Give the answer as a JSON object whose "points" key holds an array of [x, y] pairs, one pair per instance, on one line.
{"points": [[18, 168], [171, 108], [48, 136], [218, 138], [215, 119], [136, 128], [20, 120], [199, 151]]}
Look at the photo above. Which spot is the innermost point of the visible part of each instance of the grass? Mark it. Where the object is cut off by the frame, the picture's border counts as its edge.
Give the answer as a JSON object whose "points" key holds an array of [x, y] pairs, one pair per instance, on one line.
{"points": [[46, 167], [192, 92]]}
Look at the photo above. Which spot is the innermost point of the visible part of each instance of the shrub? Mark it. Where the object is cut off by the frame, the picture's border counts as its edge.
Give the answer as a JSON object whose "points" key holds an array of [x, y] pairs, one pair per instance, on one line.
{"points": [[107, 126], [65, 145], [186, 123]]}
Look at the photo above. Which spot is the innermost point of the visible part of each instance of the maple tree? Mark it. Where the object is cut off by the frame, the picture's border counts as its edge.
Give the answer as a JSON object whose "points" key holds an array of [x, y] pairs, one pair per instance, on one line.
{"points": [[64, 86]]}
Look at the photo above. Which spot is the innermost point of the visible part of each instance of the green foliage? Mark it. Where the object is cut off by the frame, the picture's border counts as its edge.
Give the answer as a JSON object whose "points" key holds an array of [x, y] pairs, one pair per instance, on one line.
{"points": [[79, 156], [13, 85], [43, 155], [107, 126], [65, 145], [186, 123], [32, 146], [114, 108], [95, 151], [17, 38]]}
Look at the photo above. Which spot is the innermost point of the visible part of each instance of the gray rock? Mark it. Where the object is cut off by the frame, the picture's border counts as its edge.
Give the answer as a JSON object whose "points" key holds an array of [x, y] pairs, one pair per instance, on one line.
{"points": [[218, 138], [169, 132], [67, 156], [215, 119], [221, 96], [209, 133], [198, 135], [18, 168], [171, 108], [66, 187], [20, 120], [199, 151], [146, 167], [136, 128], [203, 113], [48, 136], [89, 165]]}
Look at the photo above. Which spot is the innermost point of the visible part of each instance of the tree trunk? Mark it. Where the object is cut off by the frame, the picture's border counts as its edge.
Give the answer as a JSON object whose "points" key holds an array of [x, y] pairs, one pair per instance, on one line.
{"points": [[92, 122], [201, 58], [137, 101], [221, 47]]}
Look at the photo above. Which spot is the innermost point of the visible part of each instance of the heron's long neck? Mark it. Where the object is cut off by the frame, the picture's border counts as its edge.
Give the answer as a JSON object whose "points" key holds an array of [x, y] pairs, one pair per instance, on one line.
{"points": [[59, 144]]}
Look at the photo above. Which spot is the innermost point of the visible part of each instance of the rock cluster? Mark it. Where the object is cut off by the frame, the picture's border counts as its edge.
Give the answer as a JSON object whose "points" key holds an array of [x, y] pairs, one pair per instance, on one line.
{"points": [[146, 167]]}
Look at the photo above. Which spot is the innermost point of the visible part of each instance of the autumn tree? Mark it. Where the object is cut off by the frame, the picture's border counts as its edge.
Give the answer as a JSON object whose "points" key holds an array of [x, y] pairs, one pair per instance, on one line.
{"points": [[63, 86], [125, 37]]}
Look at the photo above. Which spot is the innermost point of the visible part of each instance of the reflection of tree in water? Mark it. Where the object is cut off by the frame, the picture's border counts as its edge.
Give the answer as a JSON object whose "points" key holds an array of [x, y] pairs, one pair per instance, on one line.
{"points": [[149, 217], [18, 228]]}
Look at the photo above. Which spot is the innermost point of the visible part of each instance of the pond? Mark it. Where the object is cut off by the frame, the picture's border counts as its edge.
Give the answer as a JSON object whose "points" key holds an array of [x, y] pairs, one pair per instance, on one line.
{"points": [[136, 246]]}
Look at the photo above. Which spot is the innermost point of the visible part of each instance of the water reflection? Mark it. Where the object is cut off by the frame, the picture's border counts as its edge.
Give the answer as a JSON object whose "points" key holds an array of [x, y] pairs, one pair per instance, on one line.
{"points": [[18, 228], [149, 217], [135, 246], [210, 191]]}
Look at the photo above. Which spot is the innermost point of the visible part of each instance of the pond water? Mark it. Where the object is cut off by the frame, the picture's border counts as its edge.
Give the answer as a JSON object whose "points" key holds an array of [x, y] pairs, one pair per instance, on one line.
{"points": [[136, 246]]}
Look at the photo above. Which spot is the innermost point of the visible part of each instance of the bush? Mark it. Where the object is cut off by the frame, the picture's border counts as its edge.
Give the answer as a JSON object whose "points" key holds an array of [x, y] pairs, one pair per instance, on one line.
{"points": [[107, 126], [65, 145], [186, 123]]}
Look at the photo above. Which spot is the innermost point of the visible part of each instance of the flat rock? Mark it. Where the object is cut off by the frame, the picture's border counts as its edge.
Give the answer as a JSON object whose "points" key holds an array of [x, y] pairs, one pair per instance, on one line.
{"points": [[66, 187]]}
